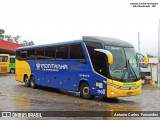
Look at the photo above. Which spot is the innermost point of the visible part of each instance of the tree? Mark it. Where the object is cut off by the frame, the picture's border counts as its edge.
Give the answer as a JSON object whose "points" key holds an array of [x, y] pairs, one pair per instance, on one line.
{"points": [[1, 36], [31, 43], [8, 38], [16, 39], [28, 43], [2, 31]]}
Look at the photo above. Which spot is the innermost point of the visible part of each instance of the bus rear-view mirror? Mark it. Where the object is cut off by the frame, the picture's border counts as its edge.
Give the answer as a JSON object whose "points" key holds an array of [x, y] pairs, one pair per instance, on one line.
{"points": [[109, 55], [144, 56]]}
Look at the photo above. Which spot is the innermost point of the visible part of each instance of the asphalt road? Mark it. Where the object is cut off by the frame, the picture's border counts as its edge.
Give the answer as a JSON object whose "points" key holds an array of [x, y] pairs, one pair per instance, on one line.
{"points": [[14, 96]]}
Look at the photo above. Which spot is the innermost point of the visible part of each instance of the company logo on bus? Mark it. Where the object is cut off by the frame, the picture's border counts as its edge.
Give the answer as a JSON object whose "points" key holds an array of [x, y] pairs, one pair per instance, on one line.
{"points": [[51, 67]]}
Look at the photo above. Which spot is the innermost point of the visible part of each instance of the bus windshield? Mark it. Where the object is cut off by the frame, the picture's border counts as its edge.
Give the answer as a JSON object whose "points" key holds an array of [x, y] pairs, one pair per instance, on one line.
{"points": [[3, 58], [125, 65]]}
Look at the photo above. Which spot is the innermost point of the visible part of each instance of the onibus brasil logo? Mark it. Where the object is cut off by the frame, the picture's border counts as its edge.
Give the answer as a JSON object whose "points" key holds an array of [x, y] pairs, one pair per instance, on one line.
{"points": [[51, 67]]}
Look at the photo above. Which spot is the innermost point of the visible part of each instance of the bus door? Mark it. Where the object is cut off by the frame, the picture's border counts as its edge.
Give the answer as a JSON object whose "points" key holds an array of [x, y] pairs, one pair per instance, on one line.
{"points": [[100, 65]]}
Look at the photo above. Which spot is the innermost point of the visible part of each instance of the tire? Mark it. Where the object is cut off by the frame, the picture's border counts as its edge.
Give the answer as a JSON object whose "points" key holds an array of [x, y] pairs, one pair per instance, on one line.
{"points": [[32, 82], [12, 71], [85, 91], [26, 81]]}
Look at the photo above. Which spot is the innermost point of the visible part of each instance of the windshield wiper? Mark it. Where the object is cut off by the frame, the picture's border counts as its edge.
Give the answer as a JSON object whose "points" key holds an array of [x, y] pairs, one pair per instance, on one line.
{"points": [[132, 69], [125, 69]]}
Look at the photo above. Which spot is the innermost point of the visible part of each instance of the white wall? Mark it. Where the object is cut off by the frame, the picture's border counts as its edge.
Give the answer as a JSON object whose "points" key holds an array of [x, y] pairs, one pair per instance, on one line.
{"points": [[153, 68]]}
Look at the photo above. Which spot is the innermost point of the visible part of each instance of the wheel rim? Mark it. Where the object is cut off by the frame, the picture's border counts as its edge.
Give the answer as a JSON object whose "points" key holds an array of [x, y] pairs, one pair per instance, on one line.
{"points": [[26, 81], [86, 90], [32, 83]]}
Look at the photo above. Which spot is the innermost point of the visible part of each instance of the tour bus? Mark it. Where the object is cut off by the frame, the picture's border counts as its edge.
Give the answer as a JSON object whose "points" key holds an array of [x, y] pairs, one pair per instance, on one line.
{"points": [[92, 66], [4, 63], [12, 64]]}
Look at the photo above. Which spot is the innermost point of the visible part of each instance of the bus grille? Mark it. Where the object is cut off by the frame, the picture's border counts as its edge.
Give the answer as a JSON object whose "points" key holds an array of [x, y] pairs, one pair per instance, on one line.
{"points": [[3, 69]]}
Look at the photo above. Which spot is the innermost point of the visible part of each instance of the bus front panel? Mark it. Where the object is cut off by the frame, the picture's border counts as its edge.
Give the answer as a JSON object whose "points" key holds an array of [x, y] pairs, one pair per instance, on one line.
{"points": [[123, 89], [4, 63]]}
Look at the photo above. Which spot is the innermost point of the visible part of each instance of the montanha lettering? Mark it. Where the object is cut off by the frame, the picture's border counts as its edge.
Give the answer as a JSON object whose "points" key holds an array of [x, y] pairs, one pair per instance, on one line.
{"points": [[53, 66]]}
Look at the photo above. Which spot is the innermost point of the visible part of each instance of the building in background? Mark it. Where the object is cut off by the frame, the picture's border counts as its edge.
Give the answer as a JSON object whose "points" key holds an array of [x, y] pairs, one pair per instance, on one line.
{"points": [[150, 71], [8, 47]]}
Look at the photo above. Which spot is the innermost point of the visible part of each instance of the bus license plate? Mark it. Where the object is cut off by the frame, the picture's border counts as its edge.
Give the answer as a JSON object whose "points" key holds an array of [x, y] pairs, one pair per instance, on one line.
{"points": [[129, 93]]}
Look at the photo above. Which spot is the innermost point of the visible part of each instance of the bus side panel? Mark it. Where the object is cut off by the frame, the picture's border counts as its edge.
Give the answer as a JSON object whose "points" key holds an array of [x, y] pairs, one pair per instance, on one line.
{"points": [[38, 74], [22, 68], [74, 74], [100, 85], [96, 81], [49, 73], [84, 71]]}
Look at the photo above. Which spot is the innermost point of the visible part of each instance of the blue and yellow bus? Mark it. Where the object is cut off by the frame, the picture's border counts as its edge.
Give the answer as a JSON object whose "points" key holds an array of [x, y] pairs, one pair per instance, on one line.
{"points": [[93, 66]]}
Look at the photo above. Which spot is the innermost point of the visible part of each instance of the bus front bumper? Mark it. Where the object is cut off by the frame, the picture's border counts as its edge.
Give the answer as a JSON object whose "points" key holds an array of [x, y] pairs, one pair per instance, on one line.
{"points": [[120, 89]]}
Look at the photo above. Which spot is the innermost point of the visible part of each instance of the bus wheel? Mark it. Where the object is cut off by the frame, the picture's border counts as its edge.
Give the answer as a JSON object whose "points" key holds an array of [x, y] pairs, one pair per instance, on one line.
{"points": [[26, 81], [85, 91], [12, 70], [32, 82]]}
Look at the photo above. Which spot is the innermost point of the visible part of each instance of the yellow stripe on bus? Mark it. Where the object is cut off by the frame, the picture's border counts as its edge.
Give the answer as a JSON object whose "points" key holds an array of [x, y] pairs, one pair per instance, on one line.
{"points": [[22, 68]]}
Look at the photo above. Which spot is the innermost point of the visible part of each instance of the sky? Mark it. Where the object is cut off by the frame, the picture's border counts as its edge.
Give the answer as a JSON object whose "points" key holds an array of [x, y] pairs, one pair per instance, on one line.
{"points": [[51, 21]]}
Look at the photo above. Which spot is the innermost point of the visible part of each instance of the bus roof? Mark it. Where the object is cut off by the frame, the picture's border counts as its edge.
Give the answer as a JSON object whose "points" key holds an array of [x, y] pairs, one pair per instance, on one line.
{"points": [[107, 41], [52, 44], [103, 40]]}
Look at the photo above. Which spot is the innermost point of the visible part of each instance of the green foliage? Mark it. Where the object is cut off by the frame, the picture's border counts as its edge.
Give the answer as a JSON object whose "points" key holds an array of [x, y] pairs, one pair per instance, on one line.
{"points": [[28, 43], [15, 39], [1, 36], [2, 31]]}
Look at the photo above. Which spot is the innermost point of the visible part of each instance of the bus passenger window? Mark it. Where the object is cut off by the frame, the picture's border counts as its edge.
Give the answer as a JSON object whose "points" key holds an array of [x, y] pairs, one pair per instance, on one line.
{"points": [[31, 54], [12, 60], [76, 53], [18, 56], [50, 53], [23, 55], [39, 53], [62, 52]]}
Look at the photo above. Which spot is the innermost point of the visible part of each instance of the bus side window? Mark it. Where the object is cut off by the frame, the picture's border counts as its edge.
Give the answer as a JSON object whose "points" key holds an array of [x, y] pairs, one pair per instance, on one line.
{"points": [[39, 53], [12, 60], [62, 52], [23, 55], [50, 53], [31, 54], [76, 53], [18, 55]]}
